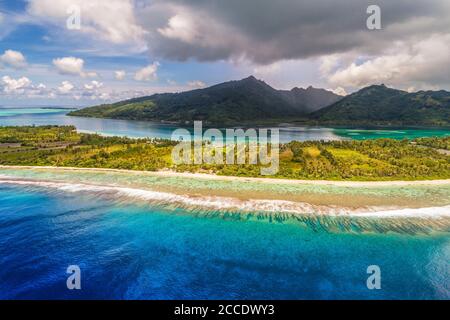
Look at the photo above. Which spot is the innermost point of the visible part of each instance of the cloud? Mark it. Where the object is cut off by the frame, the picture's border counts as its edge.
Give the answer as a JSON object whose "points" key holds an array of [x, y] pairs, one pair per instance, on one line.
{"points": [[181, 28], [38, 91], [196, 84], [119, 74], [14, 59], [424, 64], [339, 91], [88, 91], [69, 65], [22, 88], [15, 86], [109, 20], [72, 66], [65, 87], [93, 85], [266, 31], [148, 73], [328, 63], [288, 43]]}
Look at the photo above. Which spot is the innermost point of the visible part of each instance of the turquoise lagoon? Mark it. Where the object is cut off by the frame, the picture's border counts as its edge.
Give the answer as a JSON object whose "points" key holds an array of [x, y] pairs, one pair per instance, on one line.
{"points": [[141, 129]]}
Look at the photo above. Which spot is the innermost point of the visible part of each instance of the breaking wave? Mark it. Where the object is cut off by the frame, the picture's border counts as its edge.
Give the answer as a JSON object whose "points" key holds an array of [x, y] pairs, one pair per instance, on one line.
{"points": [[233, 204]]}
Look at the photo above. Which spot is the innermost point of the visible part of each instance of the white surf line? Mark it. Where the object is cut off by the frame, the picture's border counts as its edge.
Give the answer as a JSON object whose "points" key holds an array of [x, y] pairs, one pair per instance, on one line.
{"points": [[208, 176], [234, 204]]}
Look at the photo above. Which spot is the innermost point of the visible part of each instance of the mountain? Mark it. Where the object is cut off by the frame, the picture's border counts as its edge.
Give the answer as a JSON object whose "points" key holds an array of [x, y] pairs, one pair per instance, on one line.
{"points": [[310, 99], [380, 105], [234, 102]]}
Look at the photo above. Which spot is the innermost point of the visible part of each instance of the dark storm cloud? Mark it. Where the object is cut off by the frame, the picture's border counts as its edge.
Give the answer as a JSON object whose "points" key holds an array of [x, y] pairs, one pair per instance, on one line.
{"points": [[265, 31]]}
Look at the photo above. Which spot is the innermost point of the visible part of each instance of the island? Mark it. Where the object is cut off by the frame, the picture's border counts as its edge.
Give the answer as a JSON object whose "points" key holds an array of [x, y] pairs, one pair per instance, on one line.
{"points": [[365, 160], [253, 102]]}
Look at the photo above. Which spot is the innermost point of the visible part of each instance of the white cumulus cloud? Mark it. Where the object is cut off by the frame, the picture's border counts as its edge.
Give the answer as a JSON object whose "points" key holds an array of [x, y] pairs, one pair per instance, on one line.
{"points": [[65, 87], [148, 73], [69, 65], [119, 74], [110, 20], [14, 59], [11, 85], [93, 85], [72, 66], [425, 64], [339, 91], [181, 28]]}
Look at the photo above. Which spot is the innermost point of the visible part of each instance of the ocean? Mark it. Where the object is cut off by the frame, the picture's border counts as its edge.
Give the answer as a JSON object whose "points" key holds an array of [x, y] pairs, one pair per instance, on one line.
{"points": [[133, 244], [10, 116], [135, 250]]}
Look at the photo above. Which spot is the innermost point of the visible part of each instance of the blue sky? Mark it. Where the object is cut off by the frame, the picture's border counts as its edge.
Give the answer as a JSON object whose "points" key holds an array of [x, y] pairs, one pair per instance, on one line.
{"points": [[127, 48]]}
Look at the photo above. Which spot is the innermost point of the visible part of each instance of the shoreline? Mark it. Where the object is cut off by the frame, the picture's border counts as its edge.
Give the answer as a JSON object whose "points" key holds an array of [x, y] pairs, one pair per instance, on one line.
{"points": [[210, 176], [237, 194], [208, 203]]}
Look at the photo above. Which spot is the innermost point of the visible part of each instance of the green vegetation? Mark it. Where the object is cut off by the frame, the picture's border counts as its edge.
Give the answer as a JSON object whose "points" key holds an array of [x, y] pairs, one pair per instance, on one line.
{"points": [[436, 143], [252, 101], [63, 146], [382, 159], [379, 105], [233, 102], [44, 136]]}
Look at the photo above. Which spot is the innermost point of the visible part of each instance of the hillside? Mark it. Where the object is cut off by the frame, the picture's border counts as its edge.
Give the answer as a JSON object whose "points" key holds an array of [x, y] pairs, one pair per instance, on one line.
{"points": [[380, 105], [248, 100]]}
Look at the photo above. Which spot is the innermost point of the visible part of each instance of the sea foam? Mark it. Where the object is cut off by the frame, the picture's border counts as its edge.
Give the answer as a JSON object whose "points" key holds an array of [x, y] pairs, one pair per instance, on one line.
{"points": [[221, 203]]}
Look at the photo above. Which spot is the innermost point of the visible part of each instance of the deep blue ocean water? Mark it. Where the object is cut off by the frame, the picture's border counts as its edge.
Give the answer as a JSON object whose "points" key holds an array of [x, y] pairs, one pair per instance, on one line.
{"points": [[131, 251]]}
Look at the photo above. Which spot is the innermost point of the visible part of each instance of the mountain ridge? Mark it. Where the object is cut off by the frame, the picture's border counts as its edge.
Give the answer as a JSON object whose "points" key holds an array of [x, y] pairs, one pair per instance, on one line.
{"points": [[378, 104], [252, 101], [230, 102]]}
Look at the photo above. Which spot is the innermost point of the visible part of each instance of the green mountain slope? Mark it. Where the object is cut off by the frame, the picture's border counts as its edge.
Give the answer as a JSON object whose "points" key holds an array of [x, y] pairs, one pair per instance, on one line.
{"points": [[379, 105], [234, 102]]}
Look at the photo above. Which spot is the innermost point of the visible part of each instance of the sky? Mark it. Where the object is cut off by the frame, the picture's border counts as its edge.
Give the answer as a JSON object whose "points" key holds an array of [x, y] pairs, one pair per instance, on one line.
{"points": [[86, 52]]}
